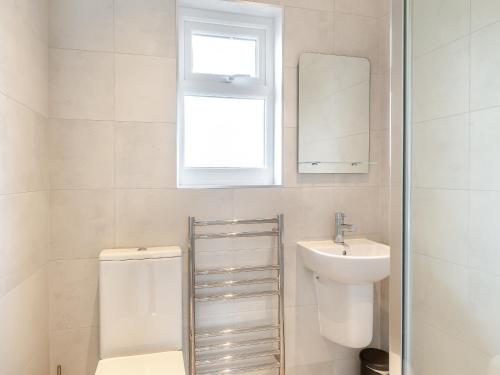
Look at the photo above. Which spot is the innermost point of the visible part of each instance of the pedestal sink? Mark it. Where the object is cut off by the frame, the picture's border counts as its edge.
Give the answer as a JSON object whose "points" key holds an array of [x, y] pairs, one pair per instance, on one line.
{"points": [[344, 276]]}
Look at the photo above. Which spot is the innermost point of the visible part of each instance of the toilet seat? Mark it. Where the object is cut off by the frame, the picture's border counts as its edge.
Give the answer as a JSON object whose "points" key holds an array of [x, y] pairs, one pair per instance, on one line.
{"points": [[170, 363]]}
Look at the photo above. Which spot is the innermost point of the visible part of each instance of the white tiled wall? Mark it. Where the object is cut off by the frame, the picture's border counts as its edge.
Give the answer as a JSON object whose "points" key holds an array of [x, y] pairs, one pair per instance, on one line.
{"points": [[456, 186], [112, 160], [24, 183]]}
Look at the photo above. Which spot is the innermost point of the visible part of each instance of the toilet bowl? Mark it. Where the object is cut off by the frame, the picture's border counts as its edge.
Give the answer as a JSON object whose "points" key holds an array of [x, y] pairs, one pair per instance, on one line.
{"points": [[140, 312], [170, 363]]}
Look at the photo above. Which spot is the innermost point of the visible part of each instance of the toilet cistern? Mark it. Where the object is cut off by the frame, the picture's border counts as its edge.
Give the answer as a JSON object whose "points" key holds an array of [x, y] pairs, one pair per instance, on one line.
{"points": [[341, 228]]}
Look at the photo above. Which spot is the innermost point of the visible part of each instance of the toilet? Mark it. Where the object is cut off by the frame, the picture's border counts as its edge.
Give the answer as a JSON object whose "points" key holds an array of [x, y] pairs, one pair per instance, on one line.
{"points": [[140, 296]]}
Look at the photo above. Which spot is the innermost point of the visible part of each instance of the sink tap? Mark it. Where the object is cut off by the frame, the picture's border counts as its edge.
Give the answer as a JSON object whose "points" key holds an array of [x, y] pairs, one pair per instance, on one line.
{"points": [[341, 227]]}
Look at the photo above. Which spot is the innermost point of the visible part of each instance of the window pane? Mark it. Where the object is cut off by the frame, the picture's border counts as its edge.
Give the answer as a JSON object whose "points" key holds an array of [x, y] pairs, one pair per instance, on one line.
{"points": [[224, 56], [224, 132]]}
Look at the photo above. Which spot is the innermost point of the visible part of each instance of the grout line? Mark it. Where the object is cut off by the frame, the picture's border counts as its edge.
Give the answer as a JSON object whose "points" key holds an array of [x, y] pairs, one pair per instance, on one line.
{"points": [[112, 52]]}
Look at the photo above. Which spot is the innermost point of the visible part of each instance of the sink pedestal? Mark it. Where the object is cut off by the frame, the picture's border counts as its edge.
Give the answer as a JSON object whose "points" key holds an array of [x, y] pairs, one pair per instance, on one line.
{"points": [[345, 312]]}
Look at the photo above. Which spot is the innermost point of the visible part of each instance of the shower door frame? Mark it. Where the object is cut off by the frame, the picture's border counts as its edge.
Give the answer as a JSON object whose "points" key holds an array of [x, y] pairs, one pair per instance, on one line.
{"points": [[400, 168]]}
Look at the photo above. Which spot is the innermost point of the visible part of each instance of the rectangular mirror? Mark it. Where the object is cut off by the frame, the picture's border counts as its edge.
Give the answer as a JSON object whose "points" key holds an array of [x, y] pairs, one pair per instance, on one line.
{"points": [[334, 114]]}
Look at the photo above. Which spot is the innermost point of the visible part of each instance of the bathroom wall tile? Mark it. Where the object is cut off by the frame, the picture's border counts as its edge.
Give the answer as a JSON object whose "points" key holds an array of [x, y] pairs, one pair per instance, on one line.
{"points": [[306, 345], [380, 90], [25, 149], [317, 210], [369, 8], [384, 45], [265, 202], [299, 281], [206, 204], [3, 142], [74, 294], [24, 321], [326, 5], [145, 89], [23, 42], [357, 36], [149, 218], [145, 27], [438, 353], [25, 241], [441, 83], [484, 307], [440, 224], [437, 23], [82, 223], [84, 25], [485, 153], [484, 12], [81, 154], [306, 31], [323, 368], [445, 302], [440, 153], [76, 350], [483, 248], [81, 85], [485, 59], [290, 97], [361, 206], [145, 155]]}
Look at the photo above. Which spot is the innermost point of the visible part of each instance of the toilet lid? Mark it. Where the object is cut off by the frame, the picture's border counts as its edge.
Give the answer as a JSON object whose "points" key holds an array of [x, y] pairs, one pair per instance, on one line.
{"points": [[170, 363]]}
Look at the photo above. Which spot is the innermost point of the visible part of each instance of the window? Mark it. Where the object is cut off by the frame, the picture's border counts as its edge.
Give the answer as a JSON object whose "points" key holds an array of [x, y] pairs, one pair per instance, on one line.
{"points": [[229, 97]]}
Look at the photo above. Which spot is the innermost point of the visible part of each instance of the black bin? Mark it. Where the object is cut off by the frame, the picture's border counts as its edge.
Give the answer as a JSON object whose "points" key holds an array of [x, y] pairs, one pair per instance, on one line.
{"points": [[374, 362]]}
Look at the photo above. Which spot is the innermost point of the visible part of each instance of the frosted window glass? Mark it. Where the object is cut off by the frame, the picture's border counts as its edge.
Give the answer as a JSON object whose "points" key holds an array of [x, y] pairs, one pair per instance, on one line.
{"points": [[224, 132], [223, 55]]}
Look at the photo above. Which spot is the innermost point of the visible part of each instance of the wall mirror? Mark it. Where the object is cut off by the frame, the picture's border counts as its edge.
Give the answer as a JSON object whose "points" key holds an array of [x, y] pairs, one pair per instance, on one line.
{"points": [[334, 114]]}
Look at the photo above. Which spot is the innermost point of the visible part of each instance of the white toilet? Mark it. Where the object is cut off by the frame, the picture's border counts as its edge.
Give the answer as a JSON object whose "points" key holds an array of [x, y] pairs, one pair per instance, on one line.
{"points": [[140, 312]]}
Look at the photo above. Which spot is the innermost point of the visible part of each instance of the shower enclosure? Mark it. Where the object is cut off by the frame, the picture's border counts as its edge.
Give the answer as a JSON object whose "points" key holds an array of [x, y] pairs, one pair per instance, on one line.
{"points": [[450, 156]]}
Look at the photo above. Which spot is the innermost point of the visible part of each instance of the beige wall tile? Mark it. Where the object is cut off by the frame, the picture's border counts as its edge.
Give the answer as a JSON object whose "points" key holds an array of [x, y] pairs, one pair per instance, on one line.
{"points": [[327, 5], [265, 202], [149, 217], [74, 294], [357, 36], [146, 27], [485, 153], [440, 224], [299, 281], [484, 229], [369, 8], [306, 345], [441, 153], [485, 59], [82, 223], [306, 31], [84, 25], [441, 82], [25, 149], [81, 154], [81, 85], [484, 12], [145, 89], [76, 350], [290, 97], [25, 241], [484, 306], [437, 23], [24, 321], [145, 155], [23, 43]]}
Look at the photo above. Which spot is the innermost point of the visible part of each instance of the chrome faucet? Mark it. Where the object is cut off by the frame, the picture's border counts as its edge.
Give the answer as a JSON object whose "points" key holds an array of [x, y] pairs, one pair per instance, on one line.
{"points": [[341, 227]]}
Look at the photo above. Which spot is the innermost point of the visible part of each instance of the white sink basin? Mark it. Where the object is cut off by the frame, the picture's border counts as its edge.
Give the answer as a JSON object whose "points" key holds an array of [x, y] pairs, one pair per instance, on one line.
{"points": [[365, 262], [344, 286]]}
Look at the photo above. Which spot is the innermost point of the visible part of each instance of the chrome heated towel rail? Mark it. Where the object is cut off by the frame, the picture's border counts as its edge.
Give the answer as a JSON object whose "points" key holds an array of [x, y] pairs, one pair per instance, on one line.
{"points": [[220, 358]]}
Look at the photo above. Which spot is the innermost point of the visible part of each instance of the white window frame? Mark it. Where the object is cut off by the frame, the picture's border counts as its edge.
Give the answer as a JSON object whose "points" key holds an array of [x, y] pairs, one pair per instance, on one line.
{"points": [[263, 86]]}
